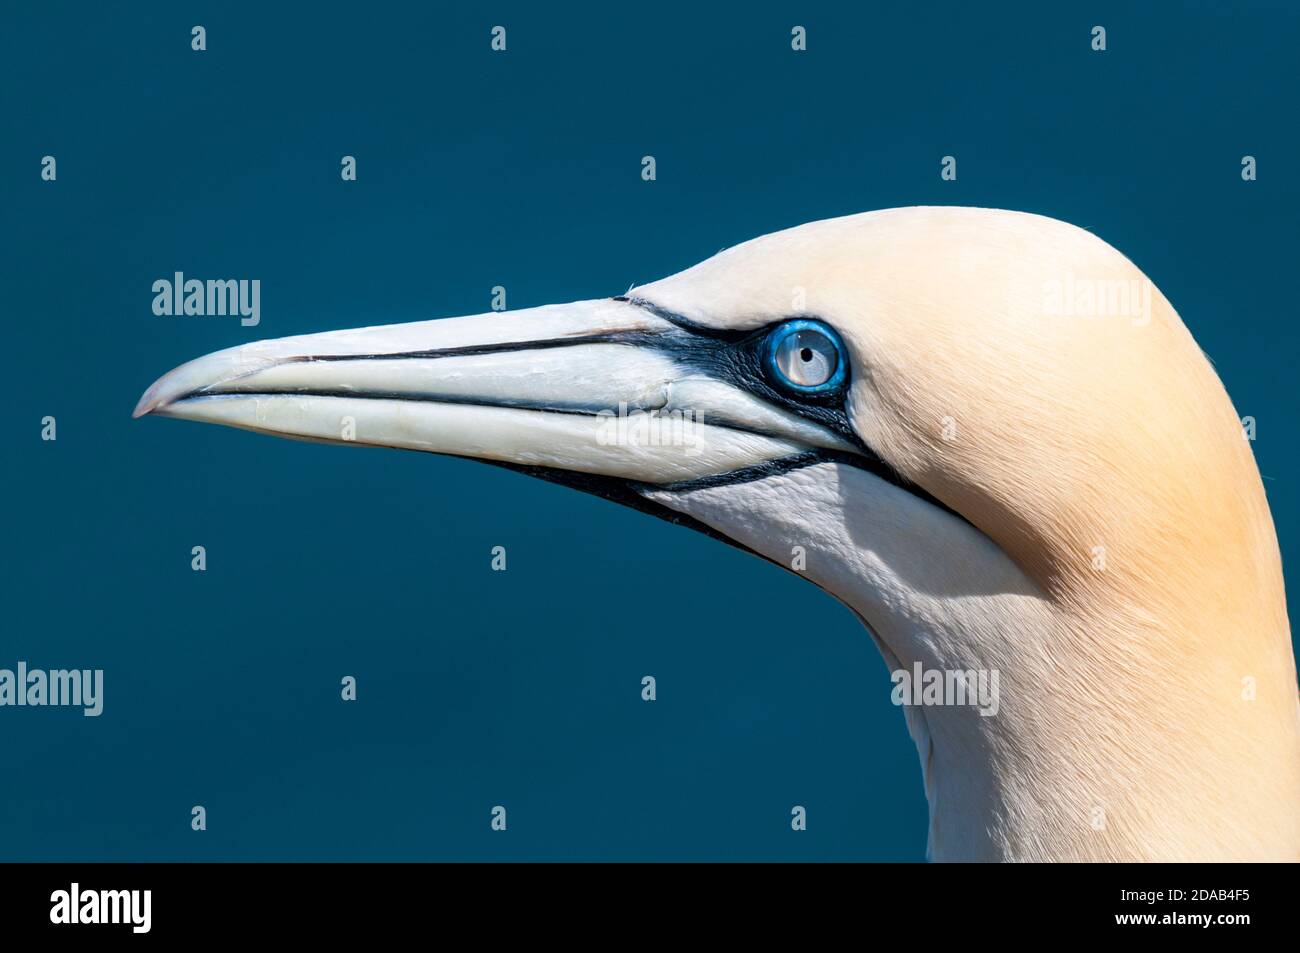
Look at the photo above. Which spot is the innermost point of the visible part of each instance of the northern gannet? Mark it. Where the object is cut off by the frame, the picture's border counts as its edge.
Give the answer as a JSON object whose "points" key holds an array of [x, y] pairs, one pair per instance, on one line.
{"points": [[993, 470]]}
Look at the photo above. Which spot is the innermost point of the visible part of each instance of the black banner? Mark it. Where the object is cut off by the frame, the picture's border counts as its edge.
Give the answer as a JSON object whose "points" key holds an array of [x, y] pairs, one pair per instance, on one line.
{"points": [[180, 902]]}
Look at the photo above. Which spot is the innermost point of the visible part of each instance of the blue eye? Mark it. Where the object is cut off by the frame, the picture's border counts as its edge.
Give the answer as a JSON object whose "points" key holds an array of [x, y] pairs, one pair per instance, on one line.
{"points": [[806, 357]]}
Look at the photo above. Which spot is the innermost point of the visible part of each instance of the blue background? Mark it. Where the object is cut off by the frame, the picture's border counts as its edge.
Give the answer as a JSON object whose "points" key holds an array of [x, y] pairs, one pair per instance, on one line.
{"points": [[522, 169]]}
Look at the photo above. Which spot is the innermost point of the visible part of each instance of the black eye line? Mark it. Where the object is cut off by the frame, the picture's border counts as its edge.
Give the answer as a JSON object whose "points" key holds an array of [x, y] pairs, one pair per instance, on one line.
{"points": [[685, 323], [737, 358]]}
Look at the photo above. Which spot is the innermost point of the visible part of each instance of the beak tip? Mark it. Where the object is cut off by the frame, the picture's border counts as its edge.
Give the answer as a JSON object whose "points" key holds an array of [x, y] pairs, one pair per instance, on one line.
{"points": [[149, 401]]}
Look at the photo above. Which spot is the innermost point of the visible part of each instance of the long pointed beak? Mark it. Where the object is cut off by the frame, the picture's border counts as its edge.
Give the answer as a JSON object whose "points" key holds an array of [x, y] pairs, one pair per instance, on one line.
{"points": [[604, 387]]}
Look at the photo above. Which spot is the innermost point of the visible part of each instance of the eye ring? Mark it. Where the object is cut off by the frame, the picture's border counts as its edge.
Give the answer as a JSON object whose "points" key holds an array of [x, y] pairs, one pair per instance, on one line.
{"points": [[806, 358]]}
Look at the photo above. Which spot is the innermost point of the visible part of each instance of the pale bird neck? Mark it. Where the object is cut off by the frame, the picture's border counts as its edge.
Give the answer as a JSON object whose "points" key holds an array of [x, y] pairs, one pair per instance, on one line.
{"points": [[1119, 734]]}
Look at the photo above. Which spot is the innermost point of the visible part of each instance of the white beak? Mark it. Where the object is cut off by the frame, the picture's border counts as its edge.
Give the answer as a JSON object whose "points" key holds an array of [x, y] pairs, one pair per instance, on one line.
{"points": [[611, 387]]}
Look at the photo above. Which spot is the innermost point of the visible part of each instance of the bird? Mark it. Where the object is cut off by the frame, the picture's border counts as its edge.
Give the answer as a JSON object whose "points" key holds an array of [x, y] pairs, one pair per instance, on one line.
{"points": [[986, 432]]}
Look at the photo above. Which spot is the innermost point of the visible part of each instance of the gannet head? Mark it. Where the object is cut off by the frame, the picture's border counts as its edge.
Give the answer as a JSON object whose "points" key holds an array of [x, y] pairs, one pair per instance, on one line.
{"points": [[986, 432]]}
